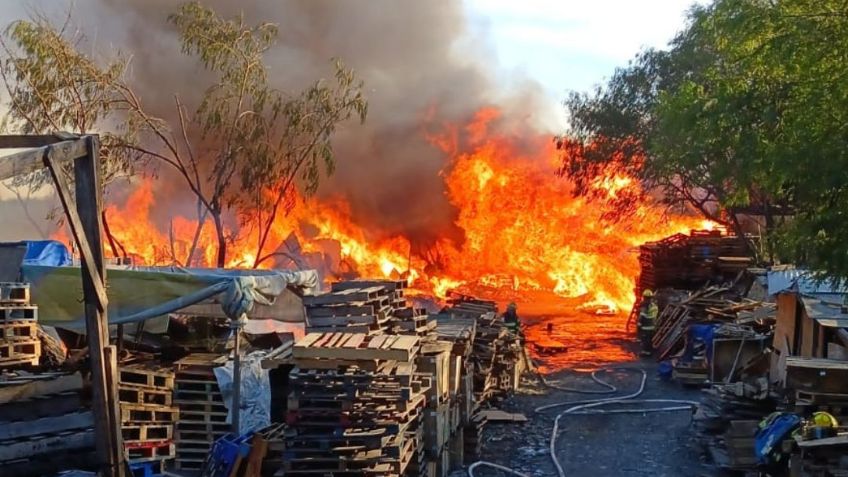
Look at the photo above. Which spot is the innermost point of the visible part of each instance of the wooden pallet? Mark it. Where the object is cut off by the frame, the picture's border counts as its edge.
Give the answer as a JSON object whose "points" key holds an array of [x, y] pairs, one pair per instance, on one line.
{"points": [[18, 312], [153, 377], [14, 293], [149, 451], [17, 330], [139, 413], [356, 346], [147, 432], [13, 353], [144, 396]]}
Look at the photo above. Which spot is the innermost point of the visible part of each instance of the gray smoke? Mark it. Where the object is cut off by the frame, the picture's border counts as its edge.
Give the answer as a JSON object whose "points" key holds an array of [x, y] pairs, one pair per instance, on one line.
{"points": [[407, 52]]}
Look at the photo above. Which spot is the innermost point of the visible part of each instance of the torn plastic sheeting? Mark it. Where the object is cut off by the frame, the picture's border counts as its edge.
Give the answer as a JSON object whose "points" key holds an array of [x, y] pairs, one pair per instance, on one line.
{"points": [[144, 293], [255, 406]]}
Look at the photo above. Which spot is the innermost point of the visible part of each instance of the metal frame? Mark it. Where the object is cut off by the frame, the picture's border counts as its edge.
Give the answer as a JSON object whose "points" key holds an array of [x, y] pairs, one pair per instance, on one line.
{"points": [[83, 211]]}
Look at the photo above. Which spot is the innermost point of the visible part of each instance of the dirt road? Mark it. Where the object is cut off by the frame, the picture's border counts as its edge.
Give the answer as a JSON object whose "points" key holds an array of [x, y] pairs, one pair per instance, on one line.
{"points": [[658, 444]]}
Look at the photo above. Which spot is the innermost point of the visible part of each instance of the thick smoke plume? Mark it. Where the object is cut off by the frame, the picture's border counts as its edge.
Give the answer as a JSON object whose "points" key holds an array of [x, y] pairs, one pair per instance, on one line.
{"points": [[409, 53]]}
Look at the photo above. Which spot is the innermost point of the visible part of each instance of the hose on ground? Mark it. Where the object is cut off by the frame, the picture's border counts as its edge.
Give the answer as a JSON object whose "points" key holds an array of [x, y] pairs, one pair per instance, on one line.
{"points": [[609, 387], [494, 466], [613, 398], [573, 411], [586, 407]]}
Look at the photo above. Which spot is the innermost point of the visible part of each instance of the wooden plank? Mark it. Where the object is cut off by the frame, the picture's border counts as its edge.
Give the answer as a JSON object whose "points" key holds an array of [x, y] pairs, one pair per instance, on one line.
{"points": [[307, 340], [352, 353], [31, 160], [390, 340], [405, 342], [26, 141], [496, 415], [45, 425], [377, 342], [355, 341], [78, 229], [29, 448]]}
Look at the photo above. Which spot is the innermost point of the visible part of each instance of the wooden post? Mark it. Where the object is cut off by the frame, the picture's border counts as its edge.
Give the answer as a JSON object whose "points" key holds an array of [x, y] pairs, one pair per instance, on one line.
{"points": [[90, 208], [86, 224]]}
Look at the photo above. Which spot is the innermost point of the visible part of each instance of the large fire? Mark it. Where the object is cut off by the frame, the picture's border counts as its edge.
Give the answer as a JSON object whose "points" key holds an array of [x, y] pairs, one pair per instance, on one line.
{"points": [[526, 238]]}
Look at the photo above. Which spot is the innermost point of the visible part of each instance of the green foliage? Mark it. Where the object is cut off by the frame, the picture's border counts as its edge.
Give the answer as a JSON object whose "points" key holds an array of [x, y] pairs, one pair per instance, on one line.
{"points": [[246, 144], [745, 111], [52, 87], [269, 141]]}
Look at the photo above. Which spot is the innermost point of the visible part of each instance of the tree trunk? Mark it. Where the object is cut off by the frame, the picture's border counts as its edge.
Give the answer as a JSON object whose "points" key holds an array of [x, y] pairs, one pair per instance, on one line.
{"points": [[222, 240]]}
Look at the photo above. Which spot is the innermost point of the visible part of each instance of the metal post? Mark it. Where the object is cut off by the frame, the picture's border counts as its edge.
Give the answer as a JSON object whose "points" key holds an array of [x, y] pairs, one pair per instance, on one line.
{"points": [[235, 325]]}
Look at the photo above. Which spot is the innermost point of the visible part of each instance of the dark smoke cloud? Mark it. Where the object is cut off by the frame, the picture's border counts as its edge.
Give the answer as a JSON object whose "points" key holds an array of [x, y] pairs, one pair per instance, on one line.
{"points": [[407, 52]]}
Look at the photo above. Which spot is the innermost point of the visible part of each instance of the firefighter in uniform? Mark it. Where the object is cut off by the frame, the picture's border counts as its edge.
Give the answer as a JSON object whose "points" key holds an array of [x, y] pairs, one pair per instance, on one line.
{"points": [[510, 318], [648, 312]]}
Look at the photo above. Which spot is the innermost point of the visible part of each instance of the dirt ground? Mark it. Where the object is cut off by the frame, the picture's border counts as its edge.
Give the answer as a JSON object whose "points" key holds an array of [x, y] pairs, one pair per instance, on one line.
{"points": [[657, 444]]}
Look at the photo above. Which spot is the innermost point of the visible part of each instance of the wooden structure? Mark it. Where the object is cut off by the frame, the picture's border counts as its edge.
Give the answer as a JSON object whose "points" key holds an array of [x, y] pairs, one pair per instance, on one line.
{"points": [[807, 327], [59, 154]]}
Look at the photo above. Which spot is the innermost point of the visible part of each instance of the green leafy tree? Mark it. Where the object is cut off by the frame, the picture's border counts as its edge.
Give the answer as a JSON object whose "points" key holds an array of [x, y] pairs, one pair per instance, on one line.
{"points": [[743, 114], [243, 136]]}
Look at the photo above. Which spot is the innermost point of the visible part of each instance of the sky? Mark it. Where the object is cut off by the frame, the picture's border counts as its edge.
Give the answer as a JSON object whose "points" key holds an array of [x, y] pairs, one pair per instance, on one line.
{"points": [[572, 45]]}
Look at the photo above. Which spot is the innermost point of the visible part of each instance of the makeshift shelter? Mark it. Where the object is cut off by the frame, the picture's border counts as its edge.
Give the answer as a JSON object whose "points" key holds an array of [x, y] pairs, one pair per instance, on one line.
{"points": [[811, 319]]}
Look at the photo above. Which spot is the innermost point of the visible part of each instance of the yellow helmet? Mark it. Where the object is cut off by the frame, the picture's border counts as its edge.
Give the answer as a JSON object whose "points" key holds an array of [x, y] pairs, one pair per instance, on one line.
{"points": [[824, 419], [647, 293]]}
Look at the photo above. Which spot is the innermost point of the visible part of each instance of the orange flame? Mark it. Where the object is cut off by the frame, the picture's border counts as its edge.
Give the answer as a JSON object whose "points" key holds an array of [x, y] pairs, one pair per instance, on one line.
{"points": [[525, 235]]}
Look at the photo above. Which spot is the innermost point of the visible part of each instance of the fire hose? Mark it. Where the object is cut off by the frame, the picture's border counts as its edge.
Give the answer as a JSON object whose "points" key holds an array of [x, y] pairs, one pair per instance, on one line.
{"points": [[587, 407]]}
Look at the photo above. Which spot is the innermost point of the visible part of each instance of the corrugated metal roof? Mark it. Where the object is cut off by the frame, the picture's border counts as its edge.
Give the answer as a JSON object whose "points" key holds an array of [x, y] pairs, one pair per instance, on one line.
{"points": [[827, 314], [802, 281]]}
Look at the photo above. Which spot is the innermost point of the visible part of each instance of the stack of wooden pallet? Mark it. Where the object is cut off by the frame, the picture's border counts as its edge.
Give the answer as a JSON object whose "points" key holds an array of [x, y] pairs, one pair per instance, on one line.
{"points": [[687, 262], [496, 351], [355, 406], [147, 415], [203, 416], [45, 426], [19, 342], [353, 307]]}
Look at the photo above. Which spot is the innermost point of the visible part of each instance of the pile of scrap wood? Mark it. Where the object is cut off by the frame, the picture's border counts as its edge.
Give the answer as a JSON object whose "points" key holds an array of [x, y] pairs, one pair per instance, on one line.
{"points": [[687, 262], [45, 425], [355, 406], [203, 415], [364, 306], [145, 394], [727, 420], [20, 344], [709, 305], [496, 352], [819, 385]]}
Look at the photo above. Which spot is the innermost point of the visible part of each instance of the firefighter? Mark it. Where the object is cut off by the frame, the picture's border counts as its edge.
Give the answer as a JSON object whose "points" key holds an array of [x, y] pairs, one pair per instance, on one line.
{"points": [[510, 318], [648, 312]]}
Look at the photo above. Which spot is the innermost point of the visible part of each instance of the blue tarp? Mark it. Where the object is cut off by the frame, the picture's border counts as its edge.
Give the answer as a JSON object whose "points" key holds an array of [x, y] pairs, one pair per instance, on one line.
{"points": [[768, 439], [699, 334], [48, 253]]}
